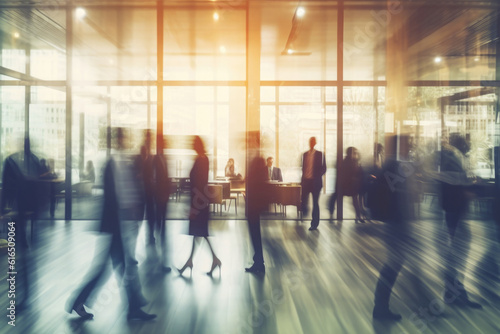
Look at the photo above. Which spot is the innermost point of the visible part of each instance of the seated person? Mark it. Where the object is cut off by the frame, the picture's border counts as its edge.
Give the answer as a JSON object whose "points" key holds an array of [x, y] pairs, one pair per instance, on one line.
{"points": [[273, 173], [89, 173], [47, 169], [230, 170]]}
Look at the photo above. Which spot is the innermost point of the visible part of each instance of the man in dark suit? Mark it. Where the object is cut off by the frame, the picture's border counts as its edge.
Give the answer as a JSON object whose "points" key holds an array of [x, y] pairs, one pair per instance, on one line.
{"points": [[256, 199], [313, 169], [273, 173]]}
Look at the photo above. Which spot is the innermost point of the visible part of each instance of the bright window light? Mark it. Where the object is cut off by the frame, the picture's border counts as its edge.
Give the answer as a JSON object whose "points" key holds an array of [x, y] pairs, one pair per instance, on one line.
{"points": [[80, 13], [300, 12], [216, 16]]}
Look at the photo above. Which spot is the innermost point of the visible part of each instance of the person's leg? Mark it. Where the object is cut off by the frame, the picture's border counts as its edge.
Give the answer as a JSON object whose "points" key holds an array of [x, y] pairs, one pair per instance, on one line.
{"points": [[386, 280], [306, 189], [160, 224], [189, 262], [331, 204], [315, 212], [256, 238], [394, 239], [131, 282], [455, 262], [151, 220], [215, 260], [357, 208], [97, 274]]}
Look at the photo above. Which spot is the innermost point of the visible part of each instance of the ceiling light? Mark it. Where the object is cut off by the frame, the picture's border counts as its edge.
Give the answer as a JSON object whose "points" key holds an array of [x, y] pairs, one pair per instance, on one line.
{"points": [[216, 16], [289, 51], [222, 49], [437, 60], [300, 12], [16, 35], [80, 13], [476, 58]]}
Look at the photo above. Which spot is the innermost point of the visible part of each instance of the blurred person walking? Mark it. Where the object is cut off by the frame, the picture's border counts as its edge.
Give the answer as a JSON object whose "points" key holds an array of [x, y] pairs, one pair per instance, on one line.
{"points": [[122, 211], [200, 199]]}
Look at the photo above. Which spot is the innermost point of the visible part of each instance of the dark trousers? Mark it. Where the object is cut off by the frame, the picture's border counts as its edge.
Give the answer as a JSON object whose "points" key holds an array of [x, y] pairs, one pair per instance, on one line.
{"points": [[455, 255], [309, 188], [150, 210], [255, 236], [395, 240], [161, 212], [98, 275]]}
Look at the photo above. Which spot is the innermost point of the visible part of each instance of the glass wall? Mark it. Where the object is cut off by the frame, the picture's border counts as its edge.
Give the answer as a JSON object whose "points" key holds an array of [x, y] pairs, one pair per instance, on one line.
{"points": [[423, 70]]}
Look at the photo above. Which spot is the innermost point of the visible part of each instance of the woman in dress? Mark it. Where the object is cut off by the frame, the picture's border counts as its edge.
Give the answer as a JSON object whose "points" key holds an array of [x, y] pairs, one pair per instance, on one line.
{"points": [[198, 215]]}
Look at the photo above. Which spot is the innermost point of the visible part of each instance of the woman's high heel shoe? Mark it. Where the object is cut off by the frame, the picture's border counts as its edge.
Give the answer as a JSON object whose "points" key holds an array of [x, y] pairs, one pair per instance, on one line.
{"points": [[189, 264], [216, 263]]}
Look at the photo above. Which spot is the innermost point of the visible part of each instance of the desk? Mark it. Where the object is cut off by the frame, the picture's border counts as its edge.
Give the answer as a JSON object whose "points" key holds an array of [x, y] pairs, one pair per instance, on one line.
{"points": [[286, 193]]}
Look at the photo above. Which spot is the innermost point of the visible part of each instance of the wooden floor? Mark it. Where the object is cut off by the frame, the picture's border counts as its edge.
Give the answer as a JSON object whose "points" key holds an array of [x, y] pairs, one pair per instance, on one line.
{"points": [[316, 282]]}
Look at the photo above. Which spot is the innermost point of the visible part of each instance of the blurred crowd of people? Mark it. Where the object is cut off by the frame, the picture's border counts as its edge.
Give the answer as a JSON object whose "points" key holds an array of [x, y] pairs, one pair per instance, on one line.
{"points": [[137, 188]]}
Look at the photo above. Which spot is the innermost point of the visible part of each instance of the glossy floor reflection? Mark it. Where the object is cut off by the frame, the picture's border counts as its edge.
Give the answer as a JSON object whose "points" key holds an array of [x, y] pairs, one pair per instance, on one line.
{"points": [[316, 282]]}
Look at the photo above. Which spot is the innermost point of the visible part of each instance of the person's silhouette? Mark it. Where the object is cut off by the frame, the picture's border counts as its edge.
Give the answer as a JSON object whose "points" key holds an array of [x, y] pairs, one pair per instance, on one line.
{"points": [[455, 202], [200, 199], [349, 181], [313, 169], [393, 208], [256, 199], [20, 199], [122, 211]]}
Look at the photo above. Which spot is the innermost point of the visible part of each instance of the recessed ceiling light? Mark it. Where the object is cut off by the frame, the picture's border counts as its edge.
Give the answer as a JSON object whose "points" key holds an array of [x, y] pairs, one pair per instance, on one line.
{"points": [[300, 12], [216, 16], [80, 13], [289, 51], [437, 60], [16, 35]]}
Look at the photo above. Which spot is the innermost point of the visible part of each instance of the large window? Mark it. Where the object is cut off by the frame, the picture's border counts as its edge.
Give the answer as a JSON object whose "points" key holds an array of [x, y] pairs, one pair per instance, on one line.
{"points": [[421, 70]]}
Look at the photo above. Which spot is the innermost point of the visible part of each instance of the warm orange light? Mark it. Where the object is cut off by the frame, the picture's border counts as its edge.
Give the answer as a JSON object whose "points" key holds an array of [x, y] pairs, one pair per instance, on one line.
{"points": [[289, 51], [216, 16], [222, 49]]}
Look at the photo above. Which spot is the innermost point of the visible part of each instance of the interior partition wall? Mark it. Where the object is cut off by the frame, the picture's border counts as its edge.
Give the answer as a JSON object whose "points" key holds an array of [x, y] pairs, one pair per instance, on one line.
{"points": [[347, 72]]}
